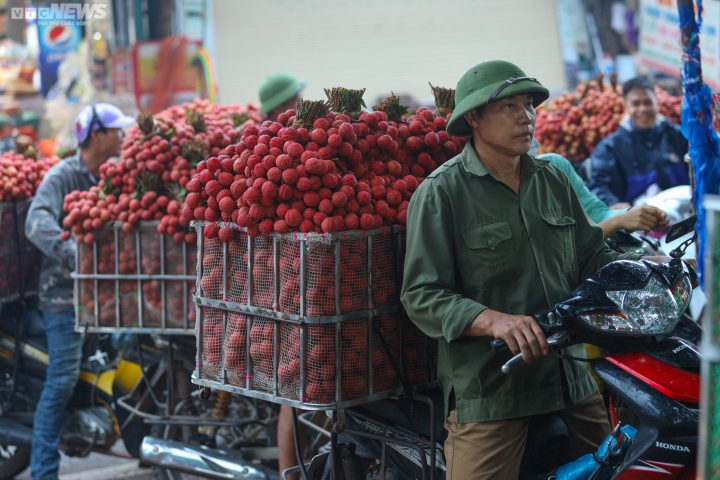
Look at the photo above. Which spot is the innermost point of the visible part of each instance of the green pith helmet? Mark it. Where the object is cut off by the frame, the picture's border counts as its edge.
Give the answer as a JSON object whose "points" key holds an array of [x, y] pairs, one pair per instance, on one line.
{"points": [[278, 89], [486, 82]]}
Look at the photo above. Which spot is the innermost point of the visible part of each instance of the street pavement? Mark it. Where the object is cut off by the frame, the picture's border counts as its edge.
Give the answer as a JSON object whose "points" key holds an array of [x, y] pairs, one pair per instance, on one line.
{"points": [[97, 466]]}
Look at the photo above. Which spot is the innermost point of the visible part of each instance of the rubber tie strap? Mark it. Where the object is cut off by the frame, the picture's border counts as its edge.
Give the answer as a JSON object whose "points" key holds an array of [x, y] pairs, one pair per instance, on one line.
{"points": [[198, 364], [245, 377], [304, 399]]}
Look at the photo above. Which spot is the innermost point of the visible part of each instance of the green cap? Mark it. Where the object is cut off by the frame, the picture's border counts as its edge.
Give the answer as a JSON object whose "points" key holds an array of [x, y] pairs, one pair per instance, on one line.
{"points": [[486, 82], [278, 89]]}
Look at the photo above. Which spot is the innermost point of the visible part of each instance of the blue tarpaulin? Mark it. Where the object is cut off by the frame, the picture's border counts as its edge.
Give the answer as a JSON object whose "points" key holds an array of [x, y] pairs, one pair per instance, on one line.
{"points": [[697, 119]]}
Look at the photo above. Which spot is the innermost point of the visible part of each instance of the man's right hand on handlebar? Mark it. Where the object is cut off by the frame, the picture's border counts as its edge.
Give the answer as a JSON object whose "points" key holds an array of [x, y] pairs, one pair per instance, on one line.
{"points": [[521, 333]]}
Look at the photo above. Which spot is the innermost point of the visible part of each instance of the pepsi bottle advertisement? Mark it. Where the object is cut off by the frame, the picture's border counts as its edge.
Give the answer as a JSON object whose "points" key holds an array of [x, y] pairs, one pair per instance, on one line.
{"points": [[57, 38]]}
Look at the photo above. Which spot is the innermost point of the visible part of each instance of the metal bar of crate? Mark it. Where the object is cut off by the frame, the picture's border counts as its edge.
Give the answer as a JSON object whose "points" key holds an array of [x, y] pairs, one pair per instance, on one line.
{"points": [[198, 309], [303, 403], [276, 294], [225, 271], [132, 276], [291, 317], [370, 318], [138, 264], [96, 308], [303, 327], [116, 249], [76, 290], [250, 289], [397, 249], [163, 312], [185, 310], [338, 326]]}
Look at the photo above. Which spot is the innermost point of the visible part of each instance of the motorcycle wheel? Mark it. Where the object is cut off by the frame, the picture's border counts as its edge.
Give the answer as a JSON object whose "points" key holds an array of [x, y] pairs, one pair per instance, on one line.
{"points": [[13, 460]]}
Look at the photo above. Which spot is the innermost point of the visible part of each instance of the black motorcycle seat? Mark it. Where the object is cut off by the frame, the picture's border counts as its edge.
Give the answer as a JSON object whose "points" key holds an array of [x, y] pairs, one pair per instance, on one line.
{"points": [[413, 415]]}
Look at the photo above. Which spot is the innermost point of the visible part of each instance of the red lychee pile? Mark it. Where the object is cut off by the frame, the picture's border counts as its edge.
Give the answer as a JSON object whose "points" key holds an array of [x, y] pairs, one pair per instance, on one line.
{"points": [[669, 105], [21, 176], [159, 157], [337, 174], [574, 123]]}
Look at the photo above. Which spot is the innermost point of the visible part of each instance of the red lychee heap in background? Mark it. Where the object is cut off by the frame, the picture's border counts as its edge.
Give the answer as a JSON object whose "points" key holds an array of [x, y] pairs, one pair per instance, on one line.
{"points": [[572, 124], [20, 176], [159, 157], [339, 174]]}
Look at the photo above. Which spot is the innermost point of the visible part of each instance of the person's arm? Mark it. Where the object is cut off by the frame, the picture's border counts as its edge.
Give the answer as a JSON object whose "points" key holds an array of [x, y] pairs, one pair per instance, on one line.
{"points": [[42, 225], [642, 217], [605, 173], [429, 291]]}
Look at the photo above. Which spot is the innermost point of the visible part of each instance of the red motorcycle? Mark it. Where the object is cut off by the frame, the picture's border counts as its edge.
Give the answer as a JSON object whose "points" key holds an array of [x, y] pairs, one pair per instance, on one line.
{"points": [[636, 311]]}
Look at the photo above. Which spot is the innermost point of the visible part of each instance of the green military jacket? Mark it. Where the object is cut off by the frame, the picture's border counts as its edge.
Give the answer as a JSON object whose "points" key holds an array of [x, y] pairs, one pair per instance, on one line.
{"points": [[473, 244]]}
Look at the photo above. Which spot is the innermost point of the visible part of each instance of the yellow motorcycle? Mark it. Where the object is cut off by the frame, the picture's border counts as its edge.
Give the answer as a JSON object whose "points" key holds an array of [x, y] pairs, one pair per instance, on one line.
{"points": [[94, 422]]}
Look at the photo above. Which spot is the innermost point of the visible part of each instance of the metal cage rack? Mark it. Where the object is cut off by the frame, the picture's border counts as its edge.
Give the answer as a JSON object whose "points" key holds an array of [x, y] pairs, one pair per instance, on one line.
{"points": [[136, 282], [307, 320]]}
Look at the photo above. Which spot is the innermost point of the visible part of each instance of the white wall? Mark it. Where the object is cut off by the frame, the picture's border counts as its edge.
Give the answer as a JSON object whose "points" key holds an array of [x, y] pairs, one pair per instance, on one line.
{"points": [[380, 45]]}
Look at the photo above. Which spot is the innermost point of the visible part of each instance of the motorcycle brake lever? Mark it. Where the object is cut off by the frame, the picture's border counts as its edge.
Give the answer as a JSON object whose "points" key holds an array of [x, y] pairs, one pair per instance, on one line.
{"points": [[555, 340]]}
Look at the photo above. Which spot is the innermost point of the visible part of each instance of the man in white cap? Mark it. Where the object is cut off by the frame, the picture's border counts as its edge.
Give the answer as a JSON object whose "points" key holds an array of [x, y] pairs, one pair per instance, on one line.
{"points": [[99, 131]]}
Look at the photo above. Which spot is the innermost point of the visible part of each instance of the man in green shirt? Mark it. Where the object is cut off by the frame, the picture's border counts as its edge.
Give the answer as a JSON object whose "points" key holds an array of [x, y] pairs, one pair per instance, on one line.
{"points": [[494, 235]]}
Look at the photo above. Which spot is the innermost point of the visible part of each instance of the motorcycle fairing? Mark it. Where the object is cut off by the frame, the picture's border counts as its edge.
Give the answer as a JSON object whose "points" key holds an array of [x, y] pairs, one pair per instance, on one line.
{"points": [[645, 401], [667, 429], [673, 382], [678, 352]]}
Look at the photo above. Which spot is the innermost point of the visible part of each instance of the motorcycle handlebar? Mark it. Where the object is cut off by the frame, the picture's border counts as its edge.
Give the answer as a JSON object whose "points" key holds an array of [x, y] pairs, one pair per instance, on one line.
{"points": [[498, 345], [557, 340]]}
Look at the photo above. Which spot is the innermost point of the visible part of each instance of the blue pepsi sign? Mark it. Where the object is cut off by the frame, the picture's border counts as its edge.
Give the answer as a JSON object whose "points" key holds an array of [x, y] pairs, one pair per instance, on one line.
{"points": [[57, 37]]}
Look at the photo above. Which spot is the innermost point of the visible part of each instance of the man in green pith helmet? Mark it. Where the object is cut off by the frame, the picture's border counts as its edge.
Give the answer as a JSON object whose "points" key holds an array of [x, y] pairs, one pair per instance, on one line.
{"points": [[493, 236], [279, 93]]}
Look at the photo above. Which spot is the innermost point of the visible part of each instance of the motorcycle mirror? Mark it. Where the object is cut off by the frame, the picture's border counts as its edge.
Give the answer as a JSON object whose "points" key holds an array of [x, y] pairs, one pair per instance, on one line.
{"points": [[680, 229]]}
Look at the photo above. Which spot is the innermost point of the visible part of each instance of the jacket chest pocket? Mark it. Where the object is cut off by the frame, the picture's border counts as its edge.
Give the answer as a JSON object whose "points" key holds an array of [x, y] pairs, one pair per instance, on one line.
{"points": [[485, 258], [560, 241]]}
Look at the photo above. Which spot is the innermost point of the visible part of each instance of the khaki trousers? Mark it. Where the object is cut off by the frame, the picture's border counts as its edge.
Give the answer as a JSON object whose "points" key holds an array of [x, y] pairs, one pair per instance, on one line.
{"points": [[493, 450]]}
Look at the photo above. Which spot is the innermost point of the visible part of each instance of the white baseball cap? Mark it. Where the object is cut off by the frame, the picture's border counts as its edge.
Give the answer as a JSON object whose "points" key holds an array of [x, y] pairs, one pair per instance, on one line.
{"points": [[99, 115]]}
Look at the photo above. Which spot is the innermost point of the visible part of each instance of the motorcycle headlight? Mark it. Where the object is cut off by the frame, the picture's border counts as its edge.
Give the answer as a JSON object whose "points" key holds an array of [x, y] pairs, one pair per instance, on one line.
{"points": [[682, 291], [653, 309]]}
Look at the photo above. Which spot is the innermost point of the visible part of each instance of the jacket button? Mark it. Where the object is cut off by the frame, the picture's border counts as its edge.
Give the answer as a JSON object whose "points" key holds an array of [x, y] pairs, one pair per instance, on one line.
{"points": [[489, 242]]}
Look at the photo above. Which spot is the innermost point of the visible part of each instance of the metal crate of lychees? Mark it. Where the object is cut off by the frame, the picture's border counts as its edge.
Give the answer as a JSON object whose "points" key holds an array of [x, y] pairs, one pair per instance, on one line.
{"points": [[20, 261], [136, 282], [307, 320]]}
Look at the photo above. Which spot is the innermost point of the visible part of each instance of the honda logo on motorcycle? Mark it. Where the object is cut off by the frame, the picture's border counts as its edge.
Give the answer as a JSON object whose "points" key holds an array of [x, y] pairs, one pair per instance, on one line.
{"points": [[670, 446]]}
